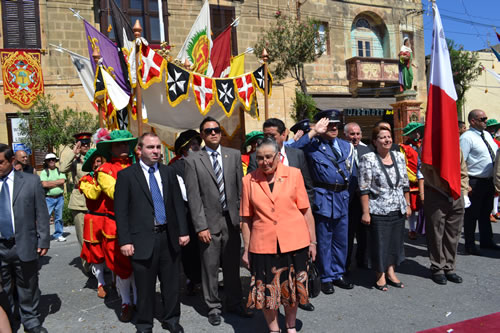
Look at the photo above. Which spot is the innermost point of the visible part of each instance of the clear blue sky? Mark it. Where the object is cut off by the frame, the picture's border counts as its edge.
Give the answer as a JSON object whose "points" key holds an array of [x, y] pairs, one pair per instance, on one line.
{"points": [[470, 23]]}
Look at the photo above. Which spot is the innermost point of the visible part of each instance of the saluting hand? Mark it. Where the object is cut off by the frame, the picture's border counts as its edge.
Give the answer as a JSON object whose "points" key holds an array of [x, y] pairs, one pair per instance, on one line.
{"points": [[77, 147], [321, 125], [205, 236]]}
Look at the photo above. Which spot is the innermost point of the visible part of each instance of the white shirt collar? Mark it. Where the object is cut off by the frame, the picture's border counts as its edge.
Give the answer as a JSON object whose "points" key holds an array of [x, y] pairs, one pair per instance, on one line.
{"points": [[10, 176], [146, 167], [210, 150]]}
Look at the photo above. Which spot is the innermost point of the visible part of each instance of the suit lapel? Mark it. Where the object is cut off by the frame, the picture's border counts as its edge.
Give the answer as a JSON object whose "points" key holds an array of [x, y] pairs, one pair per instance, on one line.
{"points": [[279, 178], [226, 164], [260, 179], [141, 179], [292, 160], [18, 185], [206, 160]]}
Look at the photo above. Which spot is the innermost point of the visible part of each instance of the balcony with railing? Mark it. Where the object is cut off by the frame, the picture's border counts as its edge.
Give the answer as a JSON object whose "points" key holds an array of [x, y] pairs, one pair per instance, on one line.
{"points": [[365, 72]]}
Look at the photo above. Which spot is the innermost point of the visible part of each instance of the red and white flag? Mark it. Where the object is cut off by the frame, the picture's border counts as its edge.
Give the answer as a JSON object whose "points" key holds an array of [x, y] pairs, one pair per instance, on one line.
{"points": [[441, 148], [204, 92], [246, 90], [220, 54], [151, 66]]}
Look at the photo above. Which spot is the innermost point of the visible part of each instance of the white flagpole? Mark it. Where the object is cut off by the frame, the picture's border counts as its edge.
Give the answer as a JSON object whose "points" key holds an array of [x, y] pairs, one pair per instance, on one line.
{"points": [[160, 15]]}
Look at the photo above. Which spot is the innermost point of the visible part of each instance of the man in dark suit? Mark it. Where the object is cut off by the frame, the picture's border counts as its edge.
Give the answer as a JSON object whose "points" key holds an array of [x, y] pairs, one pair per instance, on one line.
{"points": [[353, 134], [288, 156], [24, 235], [213, 185], [151, 227]]}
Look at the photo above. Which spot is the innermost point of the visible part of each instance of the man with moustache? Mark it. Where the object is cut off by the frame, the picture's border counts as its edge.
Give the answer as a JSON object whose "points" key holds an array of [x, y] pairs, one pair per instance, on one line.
{"points": [[331, 163]]}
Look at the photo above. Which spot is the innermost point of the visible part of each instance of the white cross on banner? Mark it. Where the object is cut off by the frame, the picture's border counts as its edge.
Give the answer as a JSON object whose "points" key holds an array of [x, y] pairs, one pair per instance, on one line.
{"points": [[152, 66], [246, 90], [203, 90]]}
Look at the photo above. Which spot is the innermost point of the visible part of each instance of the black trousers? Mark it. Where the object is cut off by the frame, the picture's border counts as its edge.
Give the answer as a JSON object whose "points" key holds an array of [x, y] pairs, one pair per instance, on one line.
{"points": [[22, 277], [191, 262], [164, 264], [481, 198], [356, 229]]}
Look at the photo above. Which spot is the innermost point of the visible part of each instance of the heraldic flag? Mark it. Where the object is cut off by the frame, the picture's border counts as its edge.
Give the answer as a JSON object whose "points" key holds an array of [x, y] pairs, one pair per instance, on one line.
{"points": [[259, 80], [197, 46], [22, 76], [110, 56], [441, 149], [226, 95], [177, 84], [220, 54]]}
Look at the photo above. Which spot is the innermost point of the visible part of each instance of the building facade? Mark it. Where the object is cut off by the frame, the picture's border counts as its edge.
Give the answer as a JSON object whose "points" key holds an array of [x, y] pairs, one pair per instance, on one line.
{"points": [[357, 73]]}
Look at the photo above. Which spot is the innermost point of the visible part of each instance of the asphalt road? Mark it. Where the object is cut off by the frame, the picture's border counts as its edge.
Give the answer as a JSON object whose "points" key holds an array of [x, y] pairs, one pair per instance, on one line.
{"points": [[69, 300]]}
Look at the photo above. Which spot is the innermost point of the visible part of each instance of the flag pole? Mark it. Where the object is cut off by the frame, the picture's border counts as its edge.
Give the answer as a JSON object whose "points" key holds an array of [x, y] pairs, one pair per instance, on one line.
{"points": [[96, 56], [138, 93], [265, 57]]}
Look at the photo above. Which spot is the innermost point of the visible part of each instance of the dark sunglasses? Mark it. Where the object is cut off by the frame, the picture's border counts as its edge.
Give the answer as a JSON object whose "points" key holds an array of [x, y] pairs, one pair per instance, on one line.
{"points": [[52, 159], [482, 119], [208, 131]]}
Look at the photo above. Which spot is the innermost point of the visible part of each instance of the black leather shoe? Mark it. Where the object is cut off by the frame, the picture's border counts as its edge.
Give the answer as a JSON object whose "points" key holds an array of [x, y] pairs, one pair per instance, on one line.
{"points": [[472, 250], [327, 288], [214, 319], [452, 277], [173, 328], [241, 311], [341, 283], [37, 329], [306, 307], [491, 246], [439, 278]]}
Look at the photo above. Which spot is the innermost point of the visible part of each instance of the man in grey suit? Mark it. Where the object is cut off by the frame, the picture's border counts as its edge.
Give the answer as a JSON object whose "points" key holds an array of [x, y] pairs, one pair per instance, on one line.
{"points": [[24, 235], [213, 185]]}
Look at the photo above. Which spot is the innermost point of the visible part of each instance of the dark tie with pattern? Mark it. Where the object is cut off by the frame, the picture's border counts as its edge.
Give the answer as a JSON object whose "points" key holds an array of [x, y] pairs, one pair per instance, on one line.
{"points": [[220, 179], [6, 229], [492, 154], [158, 202]]}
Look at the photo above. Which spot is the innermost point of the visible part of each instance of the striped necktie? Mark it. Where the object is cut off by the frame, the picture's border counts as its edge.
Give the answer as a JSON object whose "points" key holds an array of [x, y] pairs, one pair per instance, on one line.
{"points": [[220, 179], [490, 151]]}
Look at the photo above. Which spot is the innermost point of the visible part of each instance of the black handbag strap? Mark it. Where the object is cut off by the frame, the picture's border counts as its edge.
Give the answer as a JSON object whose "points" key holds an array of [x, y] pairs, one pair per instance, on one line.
{"points": [[341, 172], [382, 166]]}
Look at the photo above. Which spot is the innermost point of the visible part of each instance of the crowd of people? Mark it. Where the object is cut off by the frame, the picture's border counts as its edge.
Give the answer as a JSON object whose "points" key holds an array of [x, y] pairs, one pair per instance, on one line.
{"points": [[291, 200]]}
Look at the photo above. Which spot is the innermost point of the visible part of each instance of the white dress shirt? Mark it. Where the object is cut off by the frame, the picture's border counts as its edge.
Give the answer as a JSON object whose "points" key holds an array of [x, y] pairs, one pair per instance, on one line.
{"points": [[476, 154], [219, 156], [145, 170], [283, 157], [10, 183]]}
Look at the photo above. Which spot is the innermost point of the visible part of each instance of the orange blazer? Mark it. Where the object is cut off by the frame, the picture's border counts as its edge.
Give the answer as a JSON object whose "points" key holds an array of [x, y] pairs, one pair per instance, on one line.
{"points": [[276, 216]]}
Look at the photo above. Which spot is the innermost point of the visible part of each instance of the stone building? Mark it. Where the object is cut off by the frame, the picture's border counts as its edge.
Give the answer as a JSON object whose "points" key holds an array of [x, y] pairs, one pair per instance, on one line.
{"points": [[357, 73]]}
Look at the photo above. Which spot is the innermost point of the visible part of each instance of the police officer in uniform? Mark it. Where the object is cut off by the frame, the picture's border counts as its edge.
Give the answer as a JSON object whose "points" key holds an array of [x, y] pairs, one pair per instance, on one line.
{"points": [[331, 165]]}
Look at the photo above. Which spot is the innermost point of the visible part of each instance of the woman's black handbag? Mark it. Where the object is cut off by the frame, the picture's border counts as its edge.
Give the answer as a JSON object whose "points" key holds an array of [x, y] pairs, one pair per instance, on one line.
{"points": [[313, 279]]}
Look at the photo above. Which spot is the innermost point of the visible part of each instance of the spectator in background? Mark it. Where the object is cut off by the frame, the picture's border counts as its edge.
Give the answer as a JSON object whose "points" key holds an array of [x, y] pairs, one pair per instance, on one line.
{"points": [[21, 157], [251, 139], [353, 134], [479, 151], [492, 126], [53, 183], [384, 188], [278, 234], [461, 127], [73, 163]]}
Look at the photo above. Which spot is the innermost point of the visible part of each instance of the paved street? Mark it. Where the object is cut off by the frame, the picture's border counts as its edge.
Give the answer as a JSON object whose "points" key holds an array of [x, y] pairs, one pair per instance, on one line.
{"points": [[69, 302]]}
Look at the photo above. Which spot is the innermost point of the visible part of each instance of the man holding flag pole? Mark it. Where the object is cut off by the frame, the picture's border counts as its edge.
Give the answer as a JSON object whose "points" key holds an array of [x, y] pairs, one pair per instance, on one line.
{"points": [[444, 170]]}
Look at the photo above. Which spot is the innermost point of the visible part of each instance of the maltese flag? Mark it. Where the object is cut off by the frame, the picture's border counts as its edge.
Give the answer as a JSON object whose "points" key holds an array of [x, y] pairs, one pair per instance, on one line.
{"points": [[441, 148]]}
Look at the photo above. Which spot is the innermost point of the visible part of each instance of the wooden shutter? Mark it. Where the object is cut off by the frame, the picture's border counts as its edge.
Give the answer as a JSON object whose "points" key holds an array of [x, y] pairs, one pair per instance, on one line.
{"points": [[21, 24], [220, 18]]}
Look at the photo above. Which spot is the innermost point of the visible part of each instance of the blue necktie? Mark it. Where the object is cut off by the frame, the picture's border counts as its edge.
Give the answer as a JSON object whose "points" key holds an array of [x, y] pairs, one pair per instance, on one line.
{"points": [[158, 202], [6, 229]]}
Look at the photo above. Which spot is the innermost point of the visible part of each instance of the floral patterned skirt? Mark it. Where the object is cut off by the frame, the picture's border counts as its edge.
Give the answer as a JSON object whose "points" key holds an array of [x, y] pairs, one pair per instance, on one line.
{"points": [[278, 279]]}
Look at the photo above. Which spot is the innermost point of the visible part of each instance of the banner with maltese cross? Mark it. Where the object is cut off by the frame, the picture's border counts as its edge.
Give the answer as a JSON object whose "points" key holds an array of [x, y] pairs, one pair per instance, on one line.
{"points": [[258, 79], [226, 96], [177, 84]]}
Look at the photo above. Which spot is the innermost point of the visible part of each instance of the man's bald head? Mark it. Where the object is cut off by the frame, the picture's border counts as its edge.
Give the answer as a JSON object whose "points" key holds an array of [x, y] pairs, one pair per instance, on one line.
{"points": [[22, 157], [477, 119], [352, 133]]}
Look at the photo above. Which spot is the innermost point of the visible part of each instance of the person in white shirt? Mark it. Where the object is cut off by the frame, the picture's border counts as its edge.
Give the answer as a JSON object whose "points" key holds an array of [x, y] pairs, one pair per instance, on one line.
{"points": [[479, 151]]}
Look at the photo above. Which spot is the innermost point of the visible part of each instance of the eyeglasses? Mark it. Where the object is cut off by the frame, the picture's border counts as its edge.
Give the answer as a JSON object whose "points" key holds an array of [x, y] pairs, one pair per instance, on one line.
{"points": [[261, 159], [52, 159], [482, 119], [209, 131]]}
